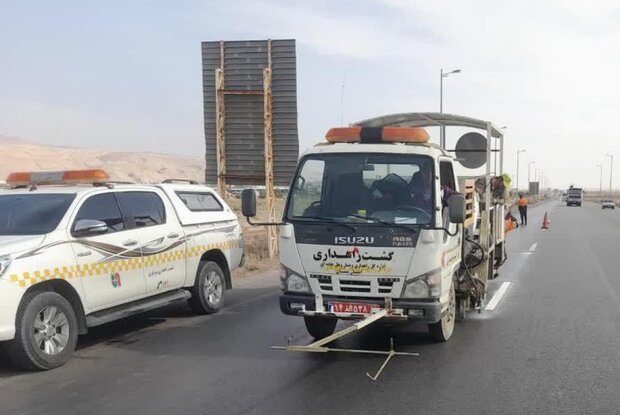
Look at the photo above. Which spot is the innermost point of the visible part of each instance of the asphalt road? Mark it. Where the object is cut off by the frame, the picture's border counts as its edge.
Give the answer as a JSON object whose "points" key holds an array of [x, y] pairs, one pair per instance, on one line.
{"points": [[551, 345]]}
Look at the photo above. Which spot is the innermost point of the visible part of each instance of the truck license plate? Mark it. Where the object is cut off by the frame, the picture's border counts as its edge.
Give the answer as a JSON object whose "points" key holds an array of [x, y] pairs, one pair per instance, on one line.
{"points": [[350, 308]]}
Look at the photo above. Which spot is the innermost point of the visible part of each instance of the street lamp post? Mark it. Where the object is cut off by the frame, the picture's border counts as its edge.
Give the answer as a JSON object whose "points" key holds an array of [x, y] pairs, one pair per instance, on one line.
{"points": [[518, 152], [442, 74], [529, 166], [541, 175], [611, 171], [600, 181]]}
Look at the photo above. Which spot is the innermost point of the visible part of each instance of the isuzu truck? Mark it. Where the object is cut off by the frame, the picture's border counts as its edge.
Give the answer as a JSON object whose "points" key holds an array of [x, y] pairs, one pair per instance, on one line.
{"points": [[377, 219]]}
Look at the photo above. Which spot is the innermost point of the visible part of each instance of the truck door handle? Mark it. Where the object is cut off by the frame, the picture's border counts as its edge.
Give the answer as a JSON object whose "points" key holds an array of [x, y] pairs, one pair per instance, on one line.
{"points": [[130, 242], [173, 235]]}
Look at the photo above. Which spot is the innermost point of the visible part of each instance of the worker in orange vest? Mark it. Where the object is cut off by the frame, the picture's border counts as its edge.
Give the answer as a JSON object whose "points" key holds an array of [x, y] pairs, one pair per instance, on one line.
{"points": [[523, 209]]}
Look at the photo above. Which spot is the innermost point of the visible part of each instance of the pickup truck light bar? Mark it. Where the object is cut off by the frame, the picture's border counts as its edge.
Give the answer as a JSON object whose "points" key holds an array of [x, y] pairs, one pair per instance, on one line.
{"points": [[22, 179]]}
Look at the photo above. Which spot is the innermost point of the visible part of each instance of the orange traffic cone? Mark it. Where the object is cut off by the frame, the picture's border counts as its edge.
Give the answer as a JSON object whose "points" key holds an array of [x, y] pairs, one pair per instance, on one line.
{"points": [[545, 224]]}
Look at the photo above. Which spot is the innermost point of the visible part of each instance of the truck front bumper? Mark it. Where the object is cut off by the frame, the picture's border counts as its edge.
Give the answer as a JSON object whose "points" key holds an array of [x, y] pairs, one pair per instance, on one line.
{"points": [[304, 304]]}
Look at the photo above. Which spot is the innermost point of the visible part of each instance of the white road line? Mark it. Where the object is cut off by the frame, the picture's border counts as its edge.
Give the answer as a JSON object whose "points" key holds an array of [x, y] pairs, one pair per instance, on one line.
{"points": [[497, 296], [533, 247]]}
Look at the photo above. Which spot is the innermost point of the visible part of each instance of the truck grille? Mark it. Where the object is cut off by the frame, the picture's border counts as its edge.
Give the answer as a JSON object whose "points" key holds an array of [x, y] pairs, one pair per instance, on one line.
{"points": [[348, 285]]}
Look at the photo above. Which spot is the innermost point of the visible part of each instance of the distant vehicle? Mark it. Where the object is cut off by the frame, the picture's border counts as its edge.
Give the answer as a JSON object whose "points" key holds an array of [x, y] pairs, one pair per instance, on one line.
{"points": [[574, 196], [82, 252], [608, 204], [563, 197]]}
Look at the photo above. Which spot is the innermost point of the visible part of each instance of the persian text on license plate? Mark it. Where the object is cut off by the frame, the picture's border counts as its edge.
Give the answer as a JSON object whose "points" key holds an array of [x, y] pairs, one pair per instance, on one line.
{"points": [[351, 308]]}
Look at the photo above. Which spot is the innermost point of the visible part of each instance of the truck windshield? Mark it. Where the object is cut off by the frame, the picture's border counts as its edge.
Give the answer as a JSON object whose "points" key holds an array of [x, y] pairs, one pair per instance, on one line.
{"points": [[32, 214], [364, 188]]}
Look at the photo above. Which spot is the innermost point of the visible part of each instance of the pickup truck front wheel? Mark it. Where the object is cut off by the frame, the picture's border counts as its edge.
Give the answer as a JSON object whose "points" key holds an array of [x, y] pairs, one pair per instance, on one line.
{"points": [[208, 291], [46, 332]]}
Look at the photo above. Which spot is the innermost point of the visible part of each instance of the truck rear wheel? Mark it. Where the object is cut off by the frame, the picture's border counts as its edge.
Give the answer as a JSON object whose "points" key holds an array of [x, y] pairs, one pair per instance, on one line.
{"points": [[46, 332], [208, 291], [319, 328], [442, 330]]}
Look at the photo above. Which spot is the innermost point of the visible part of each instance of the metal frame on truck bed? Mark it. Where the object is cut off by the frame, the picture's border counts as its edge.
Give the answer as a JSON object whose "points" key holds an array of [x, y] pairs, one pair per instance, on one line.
{"points": [[491, 230]]}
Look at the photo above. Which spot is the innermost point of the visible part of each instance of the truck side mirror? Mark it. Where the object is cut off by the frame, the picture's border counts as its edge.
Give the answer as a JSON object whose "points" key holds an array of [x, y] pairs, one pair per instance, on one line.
{"points": [[456, 208], [248, 203]]}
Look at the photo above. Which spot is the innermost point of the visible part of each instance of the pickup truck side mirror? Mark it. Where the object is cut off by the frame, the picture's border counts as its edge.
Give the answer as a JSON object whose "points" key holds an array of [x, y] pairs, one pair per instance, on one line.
{"points": [[248, 203], [456, 208], [89, 227]]}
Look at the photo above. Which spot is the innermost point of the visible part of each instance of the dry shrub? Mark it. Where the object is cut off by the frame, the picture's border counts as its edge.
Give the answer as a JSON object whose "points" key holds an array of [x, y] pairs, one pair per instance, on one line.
{"points": [[255, 238]]}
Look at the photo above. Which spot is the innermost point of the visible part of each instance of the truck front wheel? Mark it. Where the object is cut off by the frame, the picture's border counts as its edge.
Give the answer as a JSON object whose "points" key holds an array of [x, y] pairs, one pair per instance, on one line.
{"points": [[442, 330], [319, 328]]}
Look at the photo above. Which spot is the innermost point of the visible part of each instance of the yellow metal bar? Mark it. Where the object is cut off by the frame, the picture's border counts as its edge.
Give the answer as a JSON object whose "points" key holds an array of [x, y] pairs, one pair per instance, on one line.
{"points": [[220, 124], [357, 326]]}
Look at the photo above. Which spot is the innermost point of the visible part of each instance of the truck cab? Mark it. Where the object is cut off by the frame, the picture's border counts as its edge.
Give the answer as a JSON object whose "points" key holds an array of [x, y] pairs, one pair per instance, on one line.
{"points": [[358, 213], [375, 218]]}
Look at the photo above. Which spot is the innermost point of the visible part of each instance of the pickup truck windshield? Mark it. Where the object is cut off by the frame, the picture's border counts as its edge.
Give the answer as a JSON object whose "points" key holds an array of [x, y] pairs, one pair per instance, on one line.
{"points": [[32, 214], [364, 188]]}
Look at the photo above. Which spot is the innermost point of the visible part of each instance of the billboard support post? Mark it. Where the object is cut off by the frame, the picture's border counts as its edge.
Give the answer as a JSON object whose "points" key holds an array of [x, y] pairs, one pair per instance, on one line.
{"points": [[270, 192]]}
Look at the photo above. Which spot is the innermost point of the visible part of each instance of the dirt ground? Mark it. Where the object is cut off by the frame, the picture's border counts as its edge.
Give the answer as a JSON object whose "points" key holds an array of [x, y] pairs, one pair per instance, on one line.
{"points": [[255, 239]]}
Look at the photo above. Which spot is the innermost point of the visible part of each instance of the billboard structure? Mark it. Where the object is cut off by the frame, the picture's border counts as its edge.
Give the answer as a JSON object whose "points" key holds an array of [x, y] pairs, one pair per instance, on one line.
{"points": [[250, 116]]}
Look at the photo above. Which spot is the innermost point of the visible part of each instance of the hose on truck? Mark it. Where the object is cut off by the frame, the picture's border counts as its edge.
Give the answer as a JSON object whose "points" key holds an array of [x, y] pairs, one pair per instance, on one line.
{"points": [[476, 289]]}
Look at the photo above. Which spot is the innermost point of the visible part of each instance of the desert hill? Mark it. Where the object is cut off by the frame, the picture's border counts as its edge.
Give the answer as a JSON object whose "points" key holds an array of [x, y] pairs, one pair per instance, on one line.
{"points": [[21, 155]]}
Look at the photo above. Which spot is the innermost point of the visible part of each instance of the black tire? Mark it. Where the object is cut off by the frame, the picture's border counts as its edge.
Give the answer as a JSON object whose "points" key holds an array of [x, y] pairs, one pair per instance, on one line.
{"points": [[442, 330], [24, 350], [319, 328], [209, 289]]}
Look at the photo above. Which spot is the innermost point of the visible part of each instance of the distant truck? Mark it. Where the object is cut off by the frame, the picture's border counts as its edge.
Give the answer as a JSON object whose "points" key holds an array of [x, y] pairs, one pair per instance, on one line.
{"points": [[77, 251], [574, 196]]}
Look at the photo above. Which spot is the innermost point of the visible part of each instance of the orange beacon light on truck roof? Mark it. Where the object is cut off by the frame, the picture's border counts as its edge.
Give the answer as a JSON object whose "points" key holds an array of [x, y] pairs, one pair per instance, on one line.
{"points": [[57, 177], [377, 135]]}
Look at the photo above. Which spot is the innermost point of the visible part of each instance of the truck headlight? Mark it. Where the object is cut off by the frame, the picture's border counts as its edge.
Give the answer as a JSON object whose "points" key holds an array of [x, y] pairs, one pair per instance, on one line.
{"points": [[416, 289], [424, 286], [5, 261], [297, 284], [289, 281]]}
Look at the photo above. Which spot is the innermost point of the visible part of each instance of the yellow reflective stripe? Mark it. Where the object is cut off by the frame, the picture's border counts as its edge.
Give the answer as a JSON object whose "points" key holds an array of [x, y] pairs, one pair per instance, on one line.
{"points": [[29, 278]]}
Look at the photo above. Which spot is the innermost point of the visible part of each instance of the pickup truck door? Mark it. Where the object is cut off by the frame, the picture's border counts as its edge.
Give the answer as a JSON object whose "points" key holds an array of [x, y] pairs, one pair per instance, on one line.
{"points": [[160, 237], [109, 264]]}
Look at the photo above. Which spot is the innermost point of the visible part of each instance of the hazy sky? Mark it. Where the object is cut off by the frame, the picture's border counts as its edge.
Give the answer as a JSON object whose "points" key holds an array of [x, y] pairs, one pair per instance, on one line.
{"points": [[127, 74]]}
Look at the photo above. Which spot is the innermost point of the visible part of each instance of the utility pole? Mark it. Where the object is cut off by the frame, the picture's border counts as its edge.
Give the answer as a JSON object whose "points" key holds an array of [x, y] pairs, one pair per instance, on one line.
{"points": [[600, 181], [344, 81], [611, 171]]}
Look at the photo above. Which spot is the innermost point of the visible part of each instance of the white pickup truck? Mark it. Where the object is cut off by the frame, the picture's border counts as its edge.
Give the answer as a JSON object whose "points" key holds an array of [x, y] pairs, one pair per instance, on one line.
{"points": [[77, 251]]}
